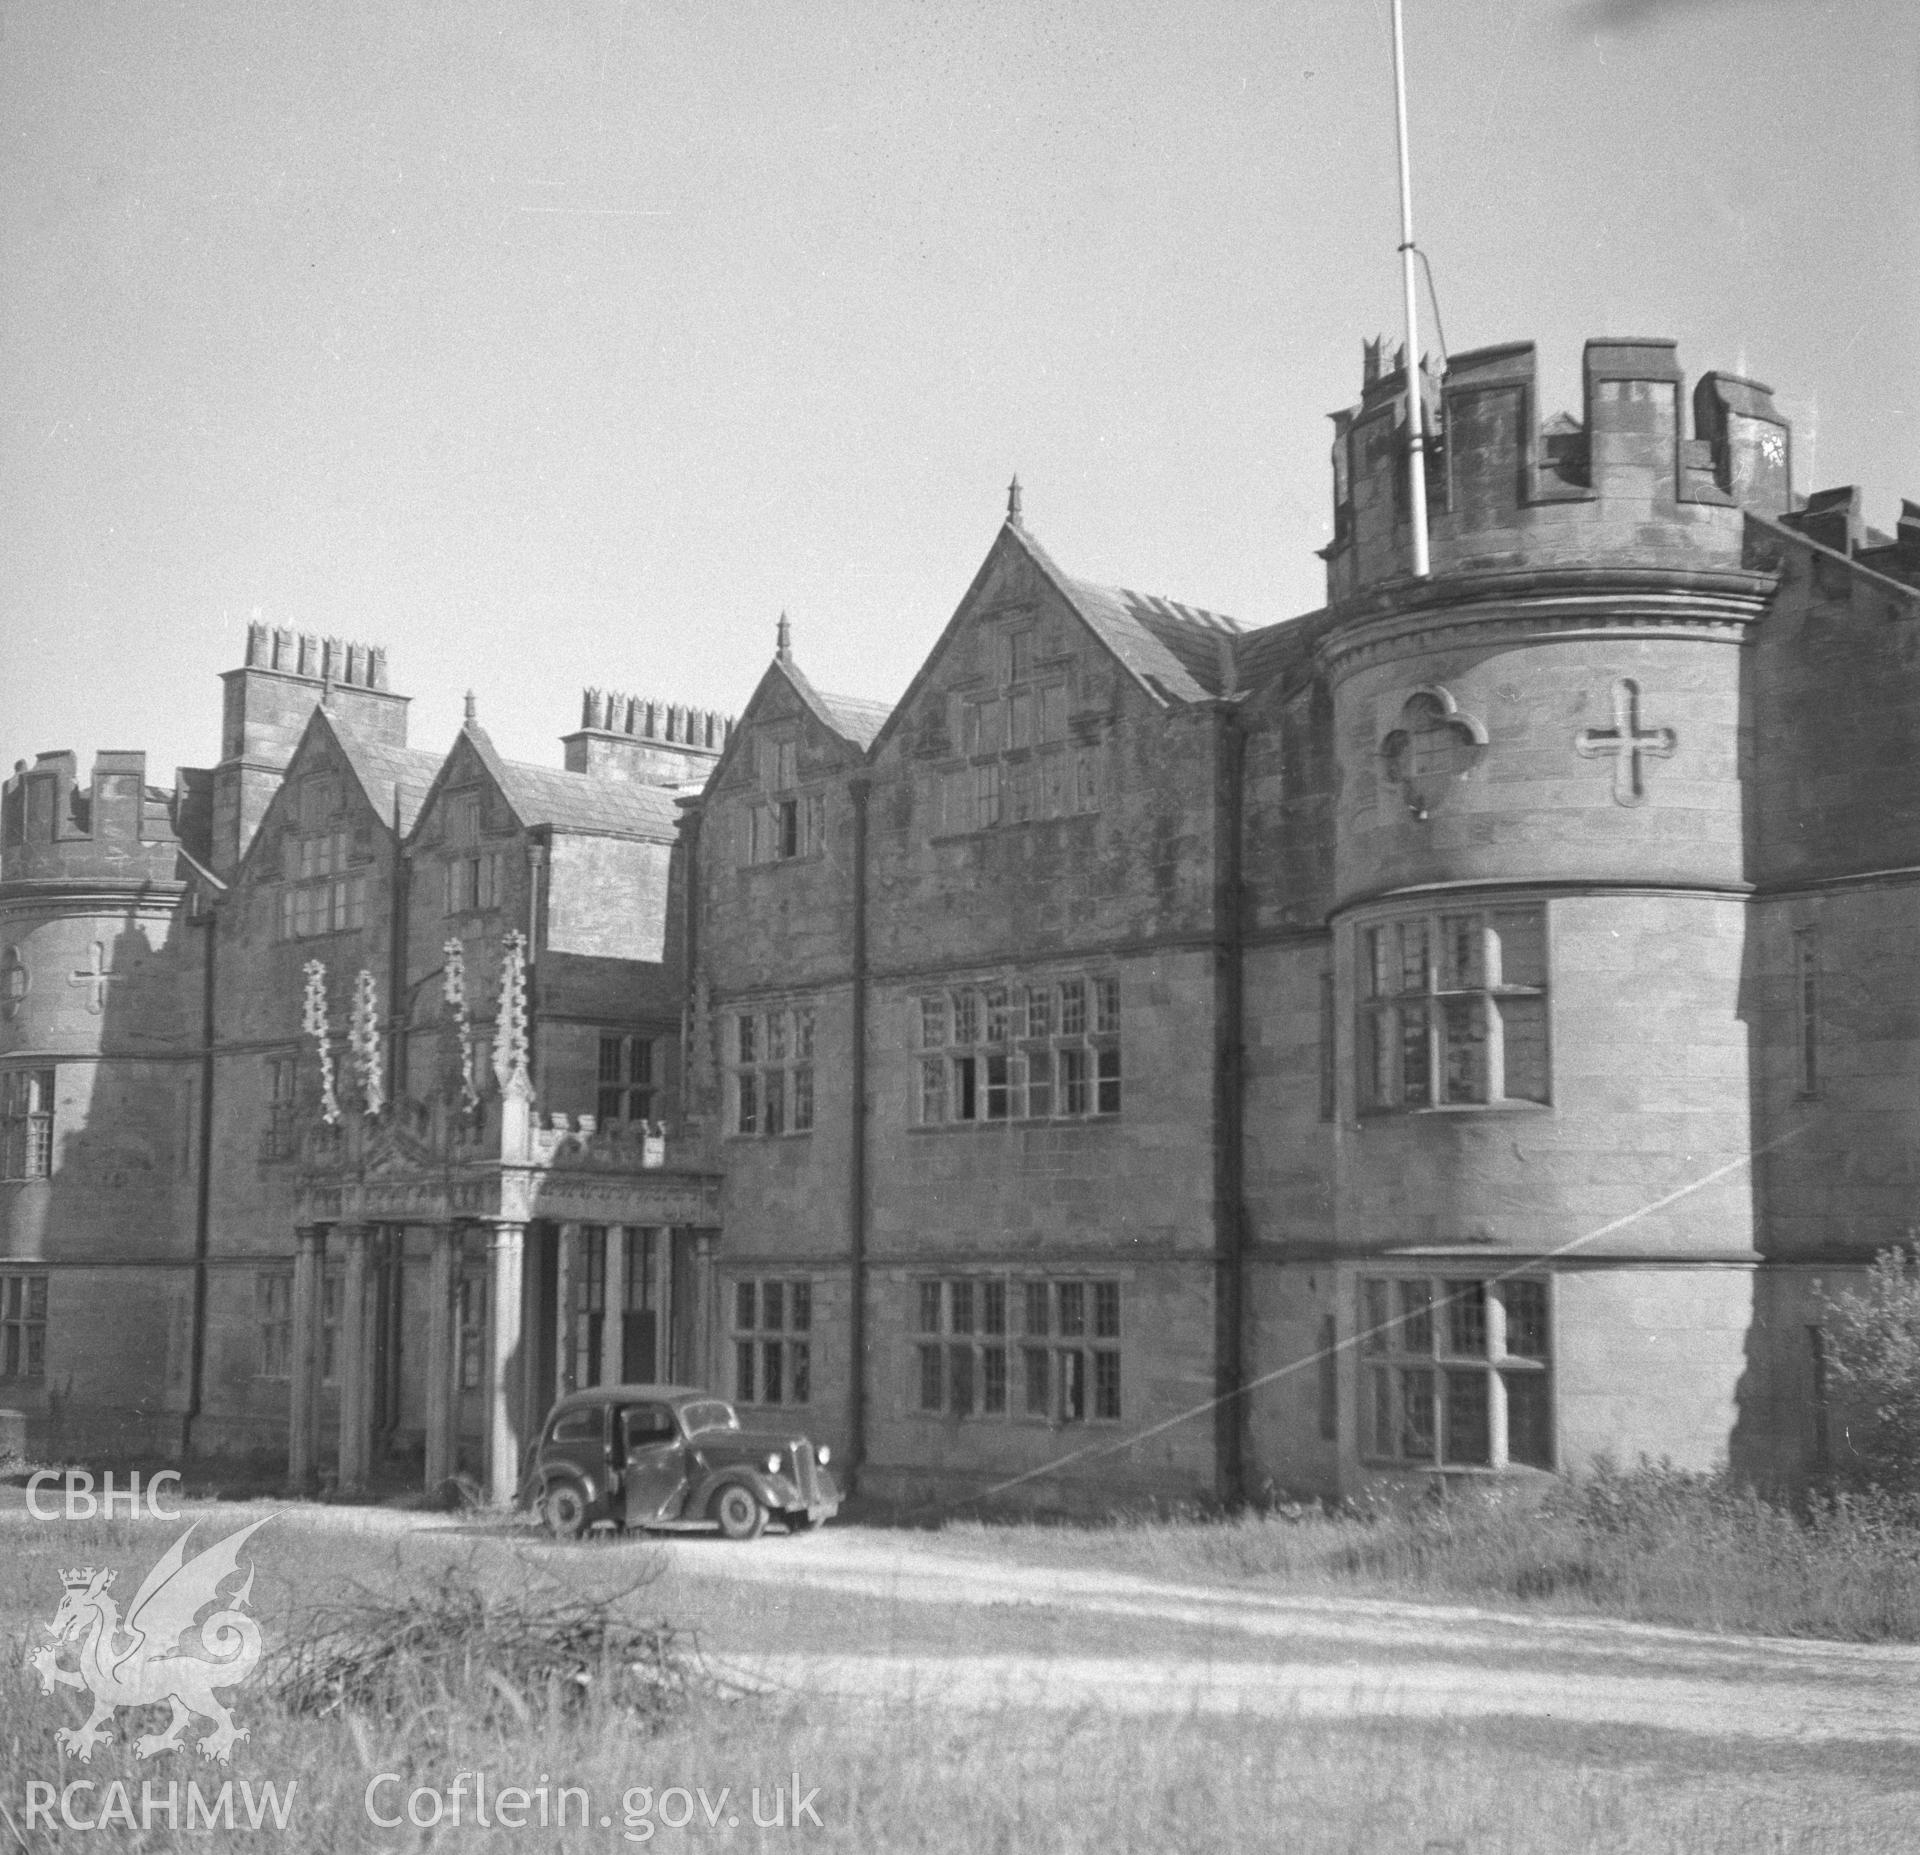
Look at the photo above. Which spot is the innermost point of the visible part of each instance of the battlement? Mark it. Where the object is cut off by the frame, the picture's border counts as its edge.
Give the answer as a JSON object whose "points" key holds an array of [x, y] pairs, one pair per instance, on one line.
{"points": [[322, 660], [116, 827], [1505, 488], [656, 743]]}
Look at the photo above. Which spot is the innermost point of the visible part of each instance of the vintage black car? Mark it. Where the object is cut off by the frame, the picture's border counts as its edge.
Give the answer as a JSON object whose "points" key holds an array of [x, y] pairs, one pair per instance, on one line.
{"points": [[671, 1456]]}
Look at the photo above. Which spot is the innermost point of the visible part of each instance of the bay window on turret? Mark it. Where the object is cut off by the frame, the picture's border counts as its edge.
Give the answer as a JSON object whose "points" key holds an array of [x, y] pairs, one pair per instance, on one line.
{"points": [[1452, 1010], [1456, 1371]]}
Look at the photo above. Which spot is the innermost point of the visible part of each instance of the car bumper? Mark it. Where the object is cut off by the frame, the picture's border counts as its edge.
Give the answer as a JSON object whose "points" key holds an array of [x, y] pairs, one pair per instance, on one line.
{"points": [[823, 1505]]}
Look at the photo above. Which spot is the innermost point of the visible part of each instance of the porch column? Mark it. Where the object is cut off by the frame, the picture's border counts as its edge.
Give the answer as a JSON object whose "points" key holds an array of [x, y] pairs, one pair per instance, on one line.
{"points": [[705, 1309], [303, 1414], [355, 1363], [613, 1322], [506, 1366], [566, 1274], [442, 1404]]}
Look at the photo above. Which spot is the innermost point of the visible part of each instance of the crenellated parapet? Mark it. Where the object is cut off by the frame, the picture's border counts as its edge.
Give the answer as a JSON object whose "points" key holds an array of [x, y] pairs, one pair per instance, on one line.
{"points": [[322, 659], [637, 738], [115, 827], [1507, 489]]}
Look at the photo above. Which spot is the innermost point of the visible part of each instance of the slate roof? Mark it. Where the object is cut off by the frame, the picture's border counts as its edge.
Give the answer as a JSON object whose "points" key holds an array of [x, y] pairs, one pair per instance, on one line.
{"points": [[1261, 656], [853, 718], [578, 801], [856, 717], [1180, 652], [383, 770]]}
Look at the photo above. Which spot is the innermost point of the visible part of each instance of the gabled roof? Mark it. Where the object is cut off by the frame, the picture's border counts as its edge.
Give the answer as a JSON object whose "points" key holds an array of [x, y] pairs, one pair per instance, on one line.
{"points": [[381, 771], [541, 795], [1179, 653], [852, 719], [385, 771], [855, 719]]}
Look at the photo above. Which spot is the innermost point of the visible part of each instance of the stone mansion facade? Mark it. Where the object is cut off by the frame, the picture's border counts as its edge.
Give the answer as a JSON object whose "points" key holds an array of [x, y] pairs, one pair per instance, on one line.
{"points": [[1457, 1031]]}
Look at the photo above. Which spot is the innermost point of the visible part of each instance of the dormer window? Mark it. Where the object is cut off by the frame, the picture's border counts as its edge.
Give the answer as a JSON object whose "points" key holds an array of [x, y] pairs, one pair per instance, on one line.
{"points": [[471, 876], [787, 823], [472, 882], [322, 895], [319, 803], [460, 812], [1019, 765]]}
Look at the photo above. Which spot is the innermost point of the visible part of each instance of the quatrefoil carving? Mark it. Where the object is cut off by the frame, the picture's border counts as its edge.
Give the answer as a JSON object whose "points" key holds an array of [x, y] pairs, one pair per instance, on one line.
{"points": [[1434, 748]]}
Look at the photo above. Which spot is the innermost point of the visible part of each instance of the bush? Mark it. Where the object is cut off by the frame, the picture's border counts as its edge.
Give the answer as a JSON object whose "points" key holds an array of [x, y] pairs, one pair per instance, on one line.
{"points": [[1873, 1365]]}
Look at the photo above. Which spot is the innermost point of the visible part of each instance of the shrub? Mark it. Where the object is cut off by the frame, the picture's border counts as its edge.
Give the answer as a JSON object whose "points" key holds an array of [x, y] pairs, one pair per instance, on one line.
{"points": [[1873, 1363]]}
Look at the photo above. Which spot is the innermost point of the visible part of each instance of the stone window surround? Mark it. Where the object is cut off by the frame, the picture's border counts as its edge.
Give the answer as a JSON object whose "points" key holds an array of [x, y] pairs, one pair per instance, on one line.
{"points": [[1016, 757], [23, 1324], [273, 1304], [1474, 1349], [980, 1043], [470, 882], [1462, 1013], [1806, 1013], [771, 1327], [769, 1056], [279, 1139], [27, 1096], [1017, 1348], [628, 1080], [787, 822], [15, 981]]}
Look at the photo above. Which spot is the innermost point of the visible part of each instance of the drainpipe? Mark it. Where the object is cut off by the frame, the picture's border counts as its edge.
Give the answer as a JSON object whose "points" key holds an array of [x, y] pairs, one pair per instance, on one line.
{"points": [[1231, 1414], [203, 1192], [393, 1254], [860, 787]]}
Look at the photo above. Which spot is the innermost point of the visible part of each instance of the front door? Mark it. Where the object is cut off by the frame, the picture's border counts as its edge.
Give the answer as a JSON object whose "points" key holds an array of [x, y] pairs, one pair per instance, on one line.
{"points": [[654, 1463], [639, 1349]]}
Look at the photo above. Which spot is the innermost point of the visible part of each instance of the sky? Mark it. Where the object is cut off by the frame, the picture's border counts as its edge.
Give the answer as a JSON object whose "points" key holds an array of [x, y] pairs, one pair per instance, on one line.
{"points": [[556, 343]]}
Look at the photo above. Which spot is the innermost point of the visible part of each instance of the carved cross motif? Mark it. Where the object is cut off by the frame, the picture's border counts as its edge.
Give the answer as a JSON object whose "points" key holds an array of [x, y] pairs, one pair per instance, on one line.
{"points": [[96, 977], [1627, 742]]}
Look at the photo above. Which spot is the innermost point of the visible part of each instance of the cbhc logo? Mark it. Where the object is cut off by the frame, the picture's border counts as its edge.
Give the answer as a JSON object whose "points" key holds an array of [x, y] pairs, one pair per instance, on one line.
{"points": [[79, 1502]]}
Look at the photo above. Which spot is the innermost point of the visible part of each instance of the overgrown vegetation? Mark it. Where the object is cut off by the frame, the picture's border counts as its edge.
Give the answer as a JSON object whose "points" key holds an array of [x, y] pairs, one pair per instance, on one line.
{"points": [[415, 1657], [1652, 1543], [410, 1691], [1873, 1366]]}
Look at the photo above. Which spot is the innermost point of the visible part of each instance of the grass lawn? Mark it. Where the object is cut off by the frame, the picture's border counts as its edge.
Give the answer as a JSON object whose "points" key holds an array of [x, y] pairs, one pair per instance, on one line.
{"points": [[900, 1778]]}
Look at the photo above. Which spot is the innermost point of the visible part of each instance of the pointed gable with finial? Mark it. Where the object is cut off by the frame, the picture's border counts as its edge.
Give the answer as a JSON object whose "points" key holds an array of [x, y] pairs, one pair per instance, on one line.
{"points": [[1023, 605]]}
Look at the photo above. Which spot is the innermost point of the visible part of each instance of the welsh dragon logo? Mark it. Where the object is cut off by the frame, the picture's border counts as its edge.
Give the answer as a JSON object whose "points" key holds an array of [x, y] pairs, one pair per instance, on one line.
{"points": [[142, 1661]]}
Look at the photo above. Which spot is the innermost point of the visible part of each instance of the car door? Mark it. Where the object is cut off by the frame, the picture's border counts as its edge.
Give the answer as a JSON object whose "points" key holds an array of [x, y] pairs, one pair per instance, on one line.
{"points": [[653, 1463], [576, 1446]]}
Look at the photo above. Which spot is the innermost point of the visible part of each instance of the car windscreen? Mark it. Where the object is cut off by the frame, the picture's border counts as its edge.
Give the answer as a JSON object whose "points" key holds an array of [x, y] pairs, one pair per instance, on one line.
{"points": [[709, 1414]]}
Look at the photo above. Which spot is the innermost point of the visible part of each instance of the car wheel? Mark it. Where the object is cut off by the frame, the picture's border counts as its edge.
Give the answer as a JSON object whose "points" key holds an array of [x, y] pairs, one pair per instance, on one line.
{"points": [[564, 1508], [738, 1511]]}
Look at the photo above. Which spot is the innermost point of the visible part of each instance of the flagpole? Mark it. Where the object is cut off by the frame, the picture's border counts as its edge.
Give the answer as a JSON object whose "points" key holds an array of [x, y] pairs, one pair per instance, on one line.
{"points": [[1416, 413]]}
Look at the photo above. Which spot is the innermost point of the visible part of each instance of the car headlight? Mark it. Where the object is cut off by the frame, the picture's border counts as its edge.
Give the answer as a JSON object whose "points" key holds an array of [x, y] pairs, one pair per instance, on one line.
{"points": [[773, 1463], [823, 1455]]}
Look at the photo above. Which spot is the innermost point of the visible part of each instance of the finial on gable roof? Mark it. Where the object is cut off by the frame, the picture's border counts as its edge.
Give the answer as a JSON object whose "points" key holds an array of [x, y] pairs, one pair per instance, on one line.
{"points": [[473, 708], [1013, 502], [783, 640]]}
